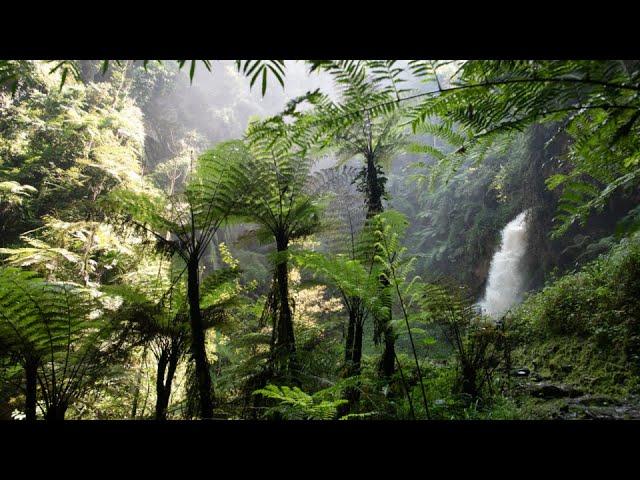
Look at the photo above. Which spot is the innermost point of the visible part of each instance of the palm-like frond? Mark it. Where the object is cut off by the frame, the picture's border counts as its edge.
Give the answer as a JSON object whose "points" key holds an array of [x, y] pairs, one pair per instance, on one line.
{"points": [[59, 325]]}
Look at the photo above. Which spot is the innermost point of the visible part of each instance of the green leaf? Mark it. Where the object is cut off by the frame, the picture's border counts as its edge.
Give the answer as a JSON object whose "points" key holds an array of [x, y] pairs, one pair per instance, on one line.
{"points": [[63, 79], [250, 71], [555, 180], [264, 81], [192, 71], [277, 75]]}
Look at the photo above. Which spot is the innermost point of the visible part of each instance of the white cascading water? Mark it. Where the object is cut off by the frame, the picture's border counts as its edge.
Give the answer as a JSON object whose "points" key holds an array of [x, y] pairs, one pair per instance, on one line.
{"points": [[505, 282]]}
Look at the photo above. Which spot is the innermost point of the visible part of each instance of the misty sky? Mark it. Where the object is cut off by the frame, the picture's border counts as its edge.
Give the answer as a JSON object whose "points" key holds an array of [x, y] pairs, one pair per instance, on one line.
{"points": [[220, 103]]}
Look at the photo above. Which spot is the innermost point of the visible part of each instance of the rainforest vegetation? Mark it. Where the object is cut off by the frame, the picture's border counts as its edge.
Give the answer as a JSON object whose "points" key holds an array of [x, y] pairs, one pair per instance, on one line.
{"points": [[319, 239]]}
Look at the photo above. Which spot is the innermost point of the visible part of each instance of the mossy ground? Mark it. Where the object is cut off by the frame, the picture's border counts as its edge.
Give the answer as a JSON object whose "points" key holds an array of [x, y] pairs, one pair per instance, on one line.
{"points": [[581, 332]]}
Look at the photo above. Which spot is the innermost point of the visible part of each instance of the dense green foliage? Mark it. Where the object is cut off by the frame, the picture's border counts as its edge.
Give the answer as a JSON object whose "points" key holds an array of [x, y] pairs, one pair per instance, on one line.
{"points": [[327, 264]]}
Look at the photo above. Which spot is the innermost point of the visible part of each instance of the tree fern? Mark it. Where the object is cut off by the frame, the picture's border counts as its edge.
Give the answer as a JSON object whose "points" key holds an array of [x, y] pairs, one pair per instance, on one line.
{"points": [[58, 328], [298, 405]]}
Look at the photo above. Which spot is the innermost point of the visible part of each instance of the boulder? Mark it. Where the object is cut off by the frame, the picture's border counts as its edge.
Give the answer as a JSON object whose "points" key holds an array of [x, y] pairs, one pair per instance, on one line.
{"points": [[549, 391], [595, 401]]}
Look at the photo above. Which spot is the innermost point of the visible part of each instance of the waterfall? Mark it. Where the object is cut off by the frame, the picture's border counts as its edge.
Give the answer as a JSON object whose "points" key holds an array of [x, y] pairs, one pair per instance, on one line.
{"points": [[504, 285]]}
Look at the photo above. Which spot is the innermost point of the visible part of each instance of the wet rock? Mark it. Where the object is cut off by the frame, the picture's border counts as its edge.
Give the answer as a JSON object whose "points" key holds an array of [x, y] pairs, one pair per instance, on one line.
{"points": [[595, 401], [600, 407], [549, 391], [594, 415], [626, 412]]}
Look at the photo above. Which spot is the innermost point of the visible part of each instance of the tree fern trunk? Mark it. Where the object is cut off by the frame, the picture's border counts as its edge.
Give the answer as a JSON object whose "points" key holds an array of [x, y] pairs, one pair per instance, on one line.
{"points": [[375, 192], [357, 348], [165, 380], [284, 344], [352, 394], [161, 396], [198, 351], [31, 374], [56, 412], [348, 348], [387, 364], [374, 188]]}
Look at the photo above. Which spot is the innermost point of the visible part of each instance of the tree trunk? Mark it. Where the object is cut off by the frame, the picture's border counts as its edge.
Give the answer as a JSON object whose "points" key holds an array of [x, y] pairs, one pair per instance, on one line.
{"points": [[198, 351], [162, 399], [174, 358], [284, 344], [353, 348], [167, 365], [387, 361], [353, 358], [375, 191], [469, 382], [56, 412], [348, 348], [31, 373], [357, 348]]}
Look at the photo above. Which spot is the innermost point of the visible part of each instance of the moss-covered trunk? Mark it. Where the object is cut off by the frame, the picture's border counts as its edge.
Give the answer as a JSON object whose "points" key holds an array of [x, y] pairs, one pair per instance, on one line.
{"points": [[374, 193]]}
